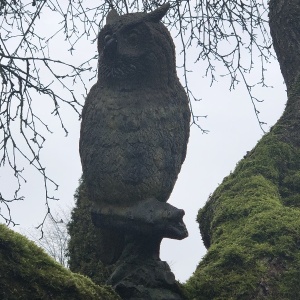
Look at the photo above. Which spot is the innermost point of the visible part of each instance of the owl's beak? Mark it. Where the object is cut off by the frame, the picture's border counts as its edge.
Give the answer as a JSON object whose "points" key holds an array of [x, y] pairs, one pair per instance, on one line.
{"points": [[110, 48]]}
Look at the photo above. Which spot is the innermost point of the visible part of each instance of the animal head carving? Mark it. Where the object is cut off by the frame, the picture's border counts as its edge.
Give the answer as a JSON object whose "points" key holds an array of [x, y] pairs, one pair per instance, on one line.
{"points": [[138, 48]]}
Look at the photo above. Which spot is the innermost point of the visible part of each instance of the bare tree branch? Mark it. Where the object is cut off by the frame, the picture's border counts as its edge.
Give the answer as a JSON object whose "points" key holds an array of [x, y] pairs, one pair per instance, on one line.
{"points": [[55, 236]]}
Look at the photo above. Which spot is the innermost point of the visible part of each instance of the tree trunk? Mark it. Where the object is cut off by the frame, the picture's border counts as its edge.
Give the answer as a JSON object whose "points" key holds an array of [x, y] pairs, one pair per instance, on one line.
{"points": [[284, 23], [285, 30], [251, 223]]}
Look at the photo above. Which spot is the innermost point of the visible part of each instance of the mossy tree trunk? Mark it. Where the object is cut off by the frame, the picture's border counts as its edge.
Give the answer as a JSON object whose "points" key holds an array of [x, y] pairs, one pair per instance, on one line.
{"points": [[251, 223], [27, 272], [87, 244]]}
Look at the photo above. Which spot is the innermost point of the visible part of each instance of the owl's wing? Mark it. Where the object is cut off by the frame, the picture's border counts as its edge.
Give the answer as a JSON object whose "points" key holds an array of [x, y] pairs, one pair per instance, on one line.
{"points": [[185, 117]]}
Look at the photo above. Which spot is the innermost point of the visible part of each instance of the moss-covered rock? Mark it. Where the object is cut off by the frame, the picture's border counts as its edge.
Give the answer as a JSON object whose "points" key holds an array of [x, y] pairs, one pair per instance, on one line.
{"points": [[251, 223], [27, 272]]}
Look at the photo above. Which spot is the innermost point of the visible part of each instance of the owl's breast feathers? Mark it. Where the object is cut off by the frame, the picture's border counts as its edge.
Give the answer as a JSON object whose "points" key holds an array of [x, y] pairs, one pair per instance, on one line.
{"points": [[133, 143]]}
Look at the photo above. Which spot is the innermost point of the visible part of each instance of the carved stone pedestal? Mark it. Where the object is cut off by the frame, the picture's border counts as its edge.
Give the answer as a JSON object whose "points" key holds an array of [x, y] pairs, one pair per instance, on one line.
{"points": [[139, 273]]}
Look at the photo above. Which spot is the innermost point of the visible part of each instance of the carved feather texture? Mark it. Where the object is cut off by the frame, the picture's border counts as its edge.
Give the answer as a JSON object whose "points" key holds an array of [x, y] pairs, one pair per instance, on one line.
{"points": [[135, 122]]}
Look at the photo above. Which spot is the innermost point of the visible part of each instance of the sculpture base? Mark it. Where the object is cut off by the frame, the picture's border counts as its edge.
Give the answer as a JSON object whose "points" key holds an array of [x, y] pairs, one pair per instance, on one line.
{"points": [[140, 274]]}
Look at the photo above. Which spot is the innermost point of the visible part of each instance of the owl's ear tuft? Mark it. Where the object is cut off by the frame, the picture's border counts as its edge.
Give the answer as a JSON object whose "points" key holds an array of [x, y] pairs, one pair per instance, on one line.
{"points": [[158, 14], [112, 16]]}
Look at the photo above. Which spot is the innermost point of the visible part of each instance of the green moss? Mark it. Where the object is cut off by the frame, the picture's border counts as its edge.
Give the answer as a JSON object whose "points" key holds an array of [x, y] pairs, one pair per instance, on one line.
{"points": [[251, 227], [86, 242], [27, 272]]}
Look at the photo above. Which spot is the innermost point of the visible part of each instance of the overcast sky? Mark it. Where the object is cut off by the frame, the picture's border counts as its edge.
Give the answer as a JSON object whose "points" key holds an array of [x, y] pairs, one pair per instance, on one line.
{"points": [[233, 130]]}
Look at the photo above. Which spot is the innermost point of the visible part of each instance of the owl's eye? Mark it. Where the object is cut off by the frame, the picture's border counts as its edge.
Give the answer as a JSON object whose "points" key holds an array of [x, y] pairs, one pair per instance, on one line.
{"points": [[107, 37], [133, 38]]}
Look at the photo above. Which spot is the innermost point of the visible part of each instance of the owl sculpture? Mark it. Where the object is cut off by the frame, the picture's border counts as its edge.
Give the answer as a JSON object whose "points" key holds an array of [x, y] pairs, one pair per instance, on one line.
{"points": [[136, 118]]}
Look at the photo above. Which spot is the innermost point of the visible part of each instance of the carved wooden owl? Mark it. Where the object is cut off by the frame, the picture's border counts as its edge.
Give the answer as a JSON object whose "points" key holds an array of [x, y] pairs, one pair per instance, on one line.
{"points": [[136, 118]]}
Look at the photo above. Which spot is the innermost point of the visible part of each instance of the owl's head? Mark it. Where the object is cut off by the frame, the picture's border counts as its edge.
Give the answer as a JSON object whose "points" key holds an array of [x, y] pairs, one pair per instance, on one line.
{"points": [[136, 48]]}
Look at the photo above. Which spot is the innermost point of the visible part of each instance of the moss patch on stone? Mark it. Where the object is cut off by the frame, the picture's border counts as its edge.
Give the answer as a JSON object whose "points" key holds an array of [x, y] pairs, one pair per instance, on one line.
{"points": [[251, 227], [27, 272]]}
